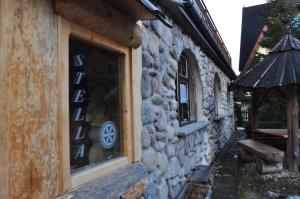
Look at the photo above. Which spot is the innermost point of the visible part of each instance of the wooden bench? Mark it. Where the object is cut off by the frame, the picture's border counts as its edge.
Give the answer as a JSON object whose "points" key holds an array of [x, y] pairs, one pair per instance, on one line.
{"points": [[268, 159]]}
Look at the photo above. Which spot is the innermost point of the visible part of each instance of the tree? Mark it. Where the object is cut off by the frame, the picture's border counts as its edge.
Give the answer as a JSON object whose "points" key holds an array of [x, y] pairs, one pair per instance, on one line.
{"points": [[283, 17]]}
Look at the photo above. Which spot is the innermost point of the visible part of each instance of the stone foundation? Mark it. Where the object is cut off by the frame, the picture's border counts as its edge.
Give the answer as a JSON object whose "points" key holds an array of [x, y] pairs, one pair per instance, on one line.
{"points": [[170, 152]]}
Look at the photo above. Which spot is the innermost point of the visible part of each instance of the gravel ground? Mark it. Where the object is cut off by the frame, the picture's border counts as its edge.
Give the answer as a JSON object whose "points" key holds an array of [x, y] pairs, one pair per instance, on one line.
{"points": [[236, 180]]}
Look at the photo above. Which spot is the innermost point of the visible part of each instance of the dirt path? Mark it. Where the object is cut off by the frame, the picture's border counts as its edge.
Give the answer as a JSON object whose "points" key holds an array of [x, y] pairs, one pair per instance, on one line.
{"points": [[235, 180]]}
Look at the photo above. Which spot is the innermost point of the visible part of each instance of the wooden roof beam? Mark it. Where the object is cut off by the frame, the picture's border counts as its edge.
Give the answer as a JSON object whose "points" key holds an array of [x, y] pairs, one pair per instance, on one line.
{"points": [[100, 17]]}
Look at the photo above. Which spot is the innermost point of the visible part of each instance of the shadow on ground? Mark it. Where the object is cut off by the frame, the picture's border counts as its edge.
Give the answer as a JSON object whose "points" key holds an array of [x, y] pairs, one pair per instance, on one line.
{"points": [[236, 180]]}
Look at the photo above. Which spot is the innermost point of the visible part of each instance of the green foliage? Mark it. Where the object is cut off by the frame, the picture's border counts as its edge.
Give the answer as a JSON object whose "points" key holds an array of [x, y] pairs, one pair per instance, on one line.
{"points": [[283, 18], [258, 58], [272, 114]]}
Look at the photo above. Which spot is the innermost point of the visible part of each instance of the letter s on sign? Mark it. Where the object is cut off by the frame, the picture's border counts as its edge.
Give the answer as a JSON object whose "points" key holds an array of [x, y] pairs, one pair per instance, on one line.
{"points": [[78, 60]]}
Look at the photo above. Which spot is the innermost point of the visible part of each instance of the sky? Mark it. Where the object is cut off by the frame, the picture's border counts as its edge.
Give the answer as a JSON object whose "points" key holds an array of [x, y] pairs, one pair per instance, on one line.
{"points": [[227, 15]]}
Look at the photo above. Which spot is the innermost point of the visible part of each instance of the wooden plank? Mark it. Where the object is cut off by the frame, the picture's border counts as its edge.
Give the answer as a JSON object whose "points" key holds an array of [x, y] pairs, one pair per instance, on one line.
{"points": [[29, 107], [101, 18], [4, 128], [276, 132], [136, 99], [254, 114], [293, 126], [89, 174], [127, 106], [266, 167], [64, 30], [263, 151], [246, 156]]}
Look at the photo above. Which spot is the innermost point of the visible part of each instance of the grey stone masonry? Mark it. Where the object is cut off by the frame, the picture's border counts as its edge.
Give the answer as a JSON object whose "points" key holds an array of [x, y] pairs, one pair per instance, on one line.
{"points": [[171, 153]]}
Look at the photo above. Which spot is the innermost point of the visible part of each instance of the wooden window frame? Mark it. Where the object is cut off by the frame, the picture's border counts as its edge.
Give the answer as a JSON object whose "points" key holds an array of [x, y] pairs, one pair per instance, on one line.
{"points": [[184, 80], [131, 120]]}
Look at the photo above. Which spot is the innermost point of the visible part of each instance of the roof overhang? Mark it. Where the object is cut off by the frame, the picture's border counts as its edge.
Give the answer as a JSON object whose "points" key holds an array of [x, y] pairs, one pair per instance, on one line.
{"points": [[187, 18], [114, 19], [140, 10]]}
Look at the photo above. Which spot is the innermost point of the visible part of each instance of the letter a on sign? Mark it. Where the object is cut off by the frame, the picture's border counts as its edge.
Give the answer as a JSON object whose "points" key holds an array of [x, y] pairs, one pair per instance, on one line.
{"points": [[80, 152]]}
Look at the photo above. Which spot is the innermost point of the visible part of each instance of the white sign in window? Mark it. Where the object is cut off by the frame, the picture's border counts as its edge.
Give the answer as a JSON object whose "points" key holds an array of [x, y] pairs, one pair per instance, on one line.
{"points": [[183, 94]]}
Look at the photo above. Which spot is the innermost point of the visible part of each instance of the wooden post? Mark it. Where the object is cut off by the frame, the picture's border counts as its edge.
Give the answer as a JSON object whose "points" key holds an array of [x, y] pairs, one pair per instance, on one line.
{"points": [[292, 124], [29, 100], [254, 114]]}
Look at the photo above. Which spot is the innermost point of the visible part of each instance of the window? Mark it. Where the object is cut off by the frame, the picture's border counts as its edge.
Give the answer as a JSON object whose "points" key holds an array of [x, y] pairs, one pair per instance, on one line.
{"points": [[98, 131], [217, 94], [95, 101], [228, 97], [185, 93]]}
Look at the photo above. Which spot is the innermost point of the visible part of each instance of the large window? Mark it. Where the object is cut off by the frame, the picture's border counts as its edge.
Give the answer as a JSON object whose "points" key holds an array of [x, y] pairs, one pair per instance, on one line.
{"points": [[95, 103], [97, 131], [185, 93]]}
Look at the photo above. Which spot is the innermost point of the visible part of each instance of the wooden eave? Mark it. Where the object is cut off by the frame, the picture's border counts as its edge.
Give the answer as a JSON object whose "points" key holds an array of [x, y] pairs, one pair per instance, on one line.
{"points": [[133, 8], [114, 19]]}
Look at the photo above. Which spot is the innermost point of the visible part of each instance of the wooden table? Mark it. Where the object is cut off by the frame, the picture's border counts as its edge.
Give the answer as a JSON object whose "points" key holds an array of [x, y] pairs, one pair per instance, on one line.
{"points": [[275, 132], [274, 137]]}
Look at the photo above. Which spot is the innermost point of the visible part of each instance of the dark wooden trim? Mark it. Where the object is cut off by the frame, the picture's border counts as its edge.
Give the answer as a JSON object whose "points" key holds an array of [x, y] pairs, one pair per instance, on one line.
{"points": [[254, 113], [292, 124]]}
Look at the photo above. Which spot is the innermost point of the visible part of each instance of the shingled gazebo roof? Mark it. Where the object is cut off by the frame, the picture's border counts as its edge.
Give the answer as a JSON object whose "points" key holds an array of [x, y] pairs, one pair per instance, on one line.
{"points": [[280, 68]]}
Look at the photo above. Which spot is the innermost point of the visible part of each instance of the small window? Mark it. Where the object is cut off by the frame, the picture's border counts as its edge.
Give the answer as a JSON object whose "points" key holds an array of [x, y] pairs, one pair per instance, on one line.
{"points": [[185, 93], [217, 94], [95, 103], [229, 98]]}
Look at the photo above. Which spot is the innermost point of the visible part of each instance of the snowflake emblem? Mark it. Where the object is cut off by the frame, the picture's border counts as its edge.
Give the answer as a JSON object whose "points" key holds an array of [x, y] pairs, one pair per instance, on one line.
{"points": [[108, 135]]}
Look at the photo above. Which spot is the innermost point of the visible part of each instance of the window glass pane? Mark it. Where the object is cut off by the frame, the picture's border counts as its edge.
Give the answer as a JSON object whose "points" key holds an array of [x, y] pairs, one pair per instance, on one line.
{"points": [[182, 66], [94, 104], [183, 103], [183, 93], [184, 113]]}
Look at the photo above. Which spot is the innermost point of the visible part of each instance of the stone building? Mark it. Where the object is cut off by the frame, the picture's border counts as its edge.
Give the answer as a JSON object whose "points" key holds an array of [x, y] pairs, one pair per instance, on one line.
{"points": [[171, 148], [109, 99]]}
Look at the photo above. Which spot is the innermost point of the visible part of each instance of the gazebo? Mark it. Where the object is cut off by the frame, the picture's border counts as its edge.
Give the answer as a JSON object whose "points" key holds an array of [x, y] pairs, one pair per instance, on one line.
{"points": [[278, 73]]}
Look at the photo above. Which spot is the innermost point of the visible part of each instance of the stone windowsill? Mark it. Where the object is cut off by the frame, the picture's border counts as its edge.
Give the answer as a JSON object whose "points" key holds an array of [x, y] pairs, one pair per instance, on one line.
{"points": [[113, 185], [191, 128]]}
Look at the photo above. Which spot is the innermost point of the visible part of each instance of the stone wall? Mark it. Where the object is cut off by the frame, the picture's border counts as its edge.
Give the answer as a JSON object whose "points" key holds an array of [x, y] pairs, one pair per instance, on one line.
{"points": [[170, 152]]}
